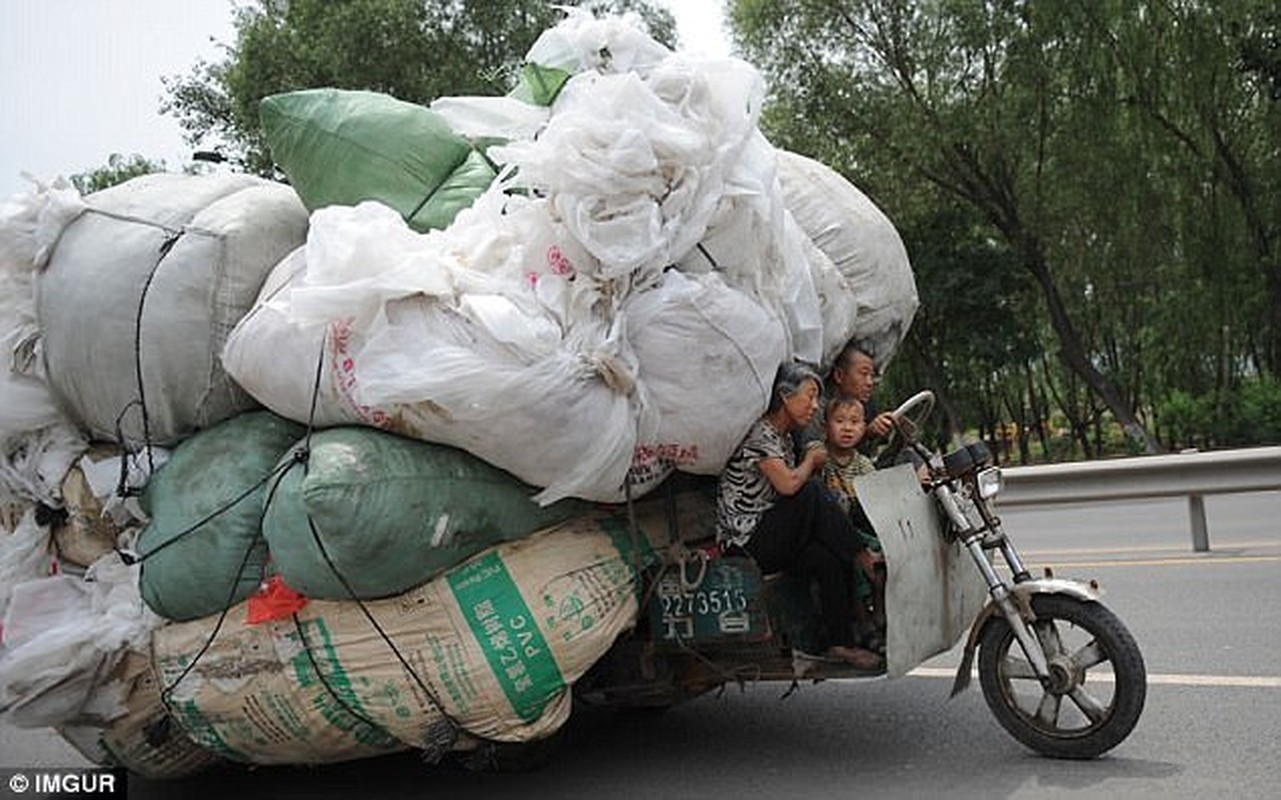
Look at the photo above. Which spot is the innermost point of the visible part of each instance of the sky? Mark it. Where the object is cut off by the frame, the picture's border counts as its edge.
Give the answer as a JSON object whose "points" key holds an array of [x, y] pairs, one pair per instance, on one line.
{"points": [[81, 79]]}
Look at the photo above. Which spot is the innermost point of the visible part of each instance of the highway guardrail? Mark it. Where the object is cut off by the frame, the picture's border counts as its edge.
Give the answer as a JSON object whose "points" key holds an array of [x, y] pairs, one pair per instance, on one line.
{"points": [[1188, 474]]}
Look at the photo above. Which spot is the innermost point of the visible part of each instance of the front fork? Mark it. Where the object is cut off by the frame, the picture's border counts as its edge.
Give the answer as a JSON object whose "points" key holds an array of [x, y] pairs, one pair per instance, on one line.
{"points": [[978, 536]]}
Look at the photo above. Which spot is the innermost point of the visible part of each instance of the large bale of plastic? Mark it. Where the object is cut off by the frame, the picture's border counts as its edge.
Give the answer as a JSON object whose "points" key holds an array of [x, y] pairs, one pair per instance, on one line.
{"points": [[707, 355], [490, 648], [525, 375], [504, 368], [142, 290], [203, 549], [862, 244], [371, 514], [128, 726], [340, 147]]}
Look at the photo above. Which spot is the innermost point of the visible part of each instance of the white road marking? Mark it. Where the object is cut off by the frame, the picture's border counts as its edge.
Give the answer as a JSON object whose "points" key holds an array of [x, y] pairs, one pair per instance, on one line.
{"points": [[1216, 681]]}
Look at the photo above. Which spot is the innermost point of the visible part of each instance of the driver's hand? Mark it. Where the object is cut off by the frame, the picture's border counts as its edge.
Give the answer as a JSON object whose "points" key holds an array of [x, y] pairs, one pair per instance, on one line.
{"points": [[881, 425]]}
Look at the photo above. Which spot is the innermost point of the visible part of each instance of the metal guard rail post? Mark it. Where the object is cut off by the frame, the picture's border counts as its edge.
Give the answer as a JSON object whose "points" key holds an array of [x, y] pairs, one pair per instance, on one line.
{"points": [[1190, 474]]}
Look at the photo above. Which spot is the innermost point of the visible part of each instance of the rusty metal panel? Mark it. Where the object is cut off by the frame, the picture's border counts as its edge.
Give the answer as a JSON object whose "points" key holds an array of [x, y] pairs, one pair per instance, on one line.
{"points": [[933, 590]]}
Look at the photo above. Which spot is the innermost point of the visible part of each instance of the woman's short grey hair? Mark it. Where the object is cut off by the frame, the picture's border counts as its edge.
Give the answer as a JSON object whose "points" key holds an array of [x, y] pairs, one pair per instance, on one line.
{"points": [[788, 380]]}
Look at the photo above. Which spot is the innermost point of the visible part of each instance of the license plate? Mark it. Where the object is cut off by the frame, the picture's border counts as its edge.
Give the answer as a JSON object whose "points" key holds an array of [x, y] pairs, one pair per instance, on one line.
{"points": [[725, 606]]}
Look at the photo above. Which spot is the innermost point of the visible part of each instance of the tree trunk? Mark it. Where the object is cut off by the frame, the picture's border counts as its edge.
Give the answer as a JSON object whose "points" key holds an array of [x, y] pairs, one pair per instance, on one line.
{"points": [[1272, 353], [1074, 355]]}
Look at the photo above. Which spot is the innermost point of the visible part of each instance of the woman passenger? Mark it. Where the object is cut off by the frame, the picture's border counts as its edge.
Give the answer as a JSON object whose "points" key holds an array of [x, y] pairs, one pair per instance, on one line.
{"points": [[777, 511]]}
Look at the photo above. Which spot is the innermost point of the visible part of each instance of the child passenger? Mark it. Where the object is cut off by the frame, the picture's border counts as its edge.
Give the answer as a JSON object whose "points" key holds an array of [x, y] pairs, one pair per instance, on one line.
{"points": [[845, 429]]}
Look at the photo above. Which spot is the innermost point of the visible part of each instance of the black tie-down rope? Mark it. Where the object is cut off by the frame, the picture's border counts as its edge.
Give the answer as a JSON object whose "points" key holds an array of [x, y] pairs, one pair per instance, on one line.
{"points": [[235, 578], [122, 487], [158, 732], [434, 749], [302, 456]]}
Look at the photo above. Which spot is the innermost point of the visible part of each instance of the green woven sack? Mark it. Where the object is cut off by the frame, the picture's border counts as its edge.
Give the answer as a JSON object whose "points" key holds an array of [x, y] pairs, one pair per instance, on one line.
{"points": [[340, 147], [539, 85], [391, 513], [218, 475]]}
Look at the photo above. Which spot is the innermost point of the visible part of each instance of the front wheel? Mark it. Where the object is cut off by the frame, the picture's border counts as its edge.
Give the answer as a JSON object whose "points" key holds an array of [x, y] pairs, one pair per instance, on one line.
{"points": [[1066, 717]]}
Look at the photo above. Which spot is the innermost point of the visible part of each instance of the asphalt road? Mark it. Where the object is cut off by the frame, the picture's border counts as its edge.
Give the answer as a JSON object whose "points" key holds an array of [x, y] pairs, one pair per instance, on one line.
{"points": [[1209, 625]]}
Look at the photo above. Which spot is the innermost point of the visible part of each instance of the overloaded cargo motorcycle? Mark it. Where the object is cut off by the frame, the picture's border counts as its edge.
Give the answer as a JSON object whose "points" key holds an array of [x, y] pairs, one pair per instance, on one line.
{"points": [[1060, 672]]}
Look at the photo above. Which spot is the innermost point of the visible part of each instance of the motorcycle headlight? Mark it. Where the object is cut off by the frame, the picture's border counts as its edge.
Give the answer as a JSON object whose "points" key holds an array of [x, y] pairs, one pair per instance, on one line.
{"points": [[990, 482]]}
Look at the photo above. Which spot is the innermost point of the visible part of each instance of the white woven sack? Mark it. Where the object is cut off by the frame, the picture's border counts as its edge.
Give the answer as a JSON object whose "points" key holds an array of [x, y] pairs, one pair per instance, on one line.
{"points": [[861, 242], [156, 274], [707, 354], [275, 359]]}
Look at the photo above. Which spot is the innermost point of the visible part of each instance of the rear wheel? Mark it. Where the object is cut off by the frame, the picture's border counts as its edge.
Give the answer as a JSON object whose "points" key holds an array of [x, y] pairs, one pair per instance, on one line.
{"points": [[1066, 717]]}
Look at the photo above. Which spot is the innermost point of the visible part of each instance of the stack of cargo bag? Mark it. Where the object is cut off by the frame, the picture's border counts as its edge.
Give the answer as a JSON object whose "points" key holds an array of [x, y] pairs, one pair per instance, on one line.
{"points": [[336, 452], [114, 312]]}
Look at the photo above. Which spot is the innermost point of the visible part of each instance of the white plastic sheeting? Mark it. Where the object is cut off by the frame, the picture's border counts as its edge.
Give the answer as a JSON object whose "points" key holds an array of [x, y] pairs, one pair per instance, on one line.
{"points": [[612, 308], [37, 443], [861, 242], [63, 636]]}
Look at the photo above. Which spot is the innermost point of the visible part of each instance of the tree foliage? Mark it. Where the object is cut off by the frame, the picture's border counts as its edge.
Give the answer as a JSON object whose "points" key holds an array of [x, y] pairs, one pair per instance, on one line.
{"points": [[1122, 155], [414, 50], [117, 170]]}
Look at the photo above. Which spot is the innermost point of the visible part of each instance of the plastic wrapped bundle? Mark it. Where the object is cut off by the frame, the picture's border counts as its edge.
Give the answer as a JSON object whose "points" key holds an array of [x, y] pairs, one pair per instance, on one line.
{"points": [[861, 243], [151, 279], [525, 377], [490, 648], [377, 514]]}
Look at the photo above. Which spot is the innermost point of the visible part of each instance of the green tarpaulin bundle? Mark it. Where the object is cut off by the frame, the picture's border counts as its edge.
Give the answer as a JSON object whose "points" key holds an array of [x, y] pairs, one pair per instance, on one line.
{"points": [[341, 147], [387, 513], [203, 549]]}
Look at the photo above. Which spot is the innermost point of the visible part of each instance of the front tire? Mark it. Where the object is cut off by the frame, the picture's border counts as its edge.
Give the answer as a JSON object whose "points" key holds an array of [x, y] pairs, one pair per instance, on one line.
{"points": [[1067, 718]]}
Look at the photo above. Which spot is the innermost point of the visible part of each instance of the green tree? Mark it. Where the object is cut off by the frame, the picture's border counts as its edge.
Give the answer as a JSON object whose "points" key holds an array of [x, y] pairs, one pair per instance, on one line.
{"points": [[118, 170], [1118, 150], [414, 50], [963, 95]]}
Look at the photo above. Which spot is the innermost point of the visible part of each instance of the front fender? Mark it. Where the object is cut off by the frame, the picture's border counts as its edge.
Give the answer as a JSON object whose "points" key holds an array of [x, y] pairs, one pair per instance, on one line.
{"points": [[1021, 594]]}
